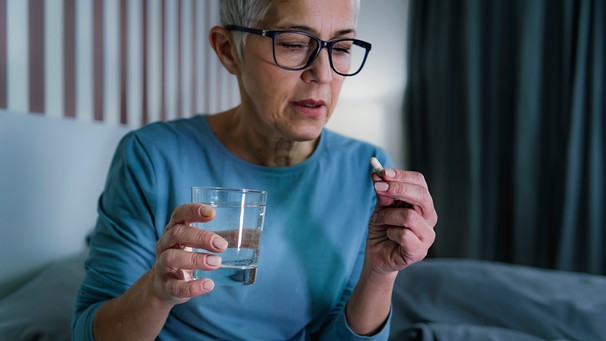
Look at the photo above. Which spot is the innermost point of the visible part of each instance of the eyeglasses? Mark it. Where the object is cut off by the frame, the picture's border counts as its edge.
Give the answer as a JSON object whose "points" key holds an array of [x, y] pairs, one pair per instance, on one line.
{"points": [[297, 50]]}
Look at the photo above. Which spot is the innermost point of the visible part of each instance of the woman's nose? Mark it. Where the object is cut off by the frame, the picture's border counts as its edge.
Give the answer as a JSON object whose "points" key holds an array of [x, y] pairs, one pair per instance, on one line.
{"points": [[320, 69]]}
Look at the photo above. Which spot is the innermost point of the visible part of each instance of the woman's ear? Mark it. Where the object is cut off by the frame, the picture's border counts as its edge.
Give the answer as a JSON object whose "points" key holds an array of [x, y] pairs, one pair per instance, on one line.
{"points": [[222, 42]]}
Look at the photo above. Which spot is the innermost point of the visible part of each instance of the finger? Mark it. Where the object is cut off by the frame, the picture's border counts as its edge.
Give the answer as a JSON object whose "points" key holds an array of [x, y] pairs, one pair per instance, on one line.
{"points": [[180, 235], [411, 193], [392, 175], [412, 177], [412, 247], [388, 193], [191, 213], [175, 259], [188, 289], [406, 218]]}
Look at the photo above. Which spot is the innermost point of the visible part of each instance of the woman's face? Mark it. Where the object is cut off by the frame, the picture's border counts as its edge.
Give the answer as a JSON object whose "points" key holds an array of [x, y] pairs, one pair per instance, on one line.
{"points": [[294, 105]]}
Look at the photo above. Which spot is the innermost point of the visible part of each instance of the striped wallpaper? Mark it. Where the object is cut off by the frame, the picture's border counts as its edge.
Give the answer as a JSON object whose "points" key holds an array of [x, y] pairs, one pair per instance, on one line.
{"points": [[125, 62]]}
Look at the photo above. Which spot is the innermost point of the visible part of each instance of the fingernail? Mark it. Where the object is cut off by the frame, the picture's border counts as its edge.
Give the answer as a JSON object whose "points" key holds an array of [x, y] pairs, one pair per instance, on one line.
{"points": [[208, 284], [390, 173], [213, 260], [381, 186], [219, 243], [207, 211]]}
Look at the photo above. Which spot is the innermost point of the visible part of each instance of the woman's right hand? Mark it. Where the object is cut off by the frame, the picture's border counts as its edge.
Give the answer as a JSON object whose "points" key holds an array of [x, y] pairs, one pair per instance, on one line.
{"points": [[145, 306], [172, 275]]}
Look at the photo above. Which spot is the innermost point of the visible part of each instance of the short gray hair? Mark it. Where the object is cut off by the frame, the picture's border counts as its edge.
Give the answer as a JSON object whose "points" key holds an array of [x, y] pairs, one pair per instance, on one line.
{"points": [[248, 13]]}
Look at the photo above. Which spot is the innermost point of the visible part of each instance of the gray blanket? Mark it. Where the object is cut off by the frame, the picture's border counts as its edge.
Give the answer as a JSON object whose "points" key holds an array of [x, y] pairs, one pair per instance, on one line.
{"points": [[433, 300], [477, 300]]}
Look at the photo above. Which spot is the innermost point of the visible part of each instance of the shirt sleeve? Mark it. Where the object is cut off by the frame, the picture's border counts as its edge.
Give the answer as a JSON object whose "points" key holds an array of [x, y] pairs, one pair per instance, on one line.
{"points": [[123, 241], [339, 330], [337, 327]]}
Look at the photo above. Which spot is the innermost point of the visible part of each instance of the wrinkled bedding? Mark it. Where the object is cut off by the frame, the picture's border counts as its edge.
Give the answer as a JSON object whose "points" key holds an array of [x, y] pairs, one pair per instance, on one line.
{"points": [[42, 308], [437, 299], [447, 299]]}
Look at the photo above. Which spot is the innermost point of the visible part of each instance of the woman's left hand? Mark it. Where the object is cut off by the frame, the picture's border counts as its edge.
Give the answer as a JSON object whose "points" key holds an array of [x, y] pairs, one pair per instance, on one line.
{"points": [[401, 228]]}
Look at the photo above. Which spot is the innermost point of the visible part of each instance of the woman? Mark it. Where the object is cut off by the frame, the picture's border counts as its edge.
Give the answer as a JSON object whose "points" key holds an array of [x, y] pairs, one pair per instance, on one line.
{"points": [[332, 244]]}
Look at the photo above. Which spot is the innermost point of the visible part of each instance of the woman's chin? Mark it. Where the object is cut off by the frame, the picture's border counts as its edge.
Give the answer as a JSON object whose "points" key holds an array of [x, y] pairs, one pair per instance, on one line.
{"points": [[307, 132]]}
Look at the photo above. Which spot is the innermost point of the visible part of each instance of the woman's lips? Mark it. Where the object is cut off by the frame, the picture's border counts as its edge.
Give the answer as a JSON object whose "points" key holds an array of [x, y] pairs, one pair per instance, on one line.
{"points": [[310, 107]]}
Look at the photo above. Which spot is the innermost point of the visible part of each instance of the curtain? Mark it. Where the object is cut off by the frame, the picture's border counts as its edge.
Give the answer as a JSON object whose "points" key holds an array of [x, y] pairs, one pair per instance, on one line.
{"points": [[504, 110]]}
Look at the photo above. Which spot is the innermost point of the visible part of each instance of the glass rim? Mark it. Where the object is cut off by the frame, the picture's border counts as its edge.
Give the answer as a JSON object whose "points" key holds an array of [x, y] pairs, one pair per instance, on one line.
{"points": [[228, 189]]}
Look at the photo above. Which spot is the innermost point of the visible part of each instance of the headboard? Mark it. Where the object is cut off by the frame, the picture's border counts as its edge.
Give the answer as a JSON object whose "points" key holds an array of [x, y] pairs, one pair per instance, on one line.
{"points": [[52, 171]]}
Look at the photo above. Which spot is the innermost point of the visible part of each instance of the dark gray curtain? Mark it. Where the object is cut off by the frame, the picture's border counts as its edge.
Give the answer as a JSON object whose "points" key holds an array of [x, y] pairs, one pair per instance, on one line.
{"points": [[505, 111]]}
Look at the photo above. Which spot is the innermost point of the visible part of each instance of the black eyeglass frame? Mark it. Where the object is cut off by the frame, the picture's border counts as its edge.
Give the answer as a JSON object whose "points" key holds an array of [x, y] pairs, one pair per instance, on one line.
{"points": [[312, 58]]}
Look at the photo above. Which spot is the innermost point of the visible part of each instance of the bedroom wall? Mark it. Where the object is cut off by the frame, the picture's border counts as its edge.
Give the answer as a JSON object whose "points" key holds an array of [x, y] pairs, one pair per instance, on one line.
{"points": [[371, 103], [52, 172]]}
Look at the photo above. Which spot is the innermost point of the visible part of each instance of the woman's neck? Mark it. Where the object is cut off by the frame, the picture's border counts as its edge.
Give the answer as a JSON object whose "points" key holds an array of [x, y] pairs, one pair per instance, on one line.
{"points": [[250, 145]]}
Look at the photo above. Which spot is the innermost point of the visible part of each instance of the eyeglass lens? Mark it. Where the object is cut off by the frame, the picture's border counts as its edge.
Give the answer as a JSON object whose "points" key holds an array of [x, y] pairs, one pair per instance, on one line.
{"points": [[294, 50]]}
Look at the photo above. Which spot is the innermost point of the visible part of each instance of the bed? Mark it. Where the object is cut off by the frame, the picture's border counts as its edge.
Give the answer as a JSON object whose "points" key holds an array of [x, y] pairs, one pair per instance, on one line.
{"points": [[437, 299], [457, 299]]}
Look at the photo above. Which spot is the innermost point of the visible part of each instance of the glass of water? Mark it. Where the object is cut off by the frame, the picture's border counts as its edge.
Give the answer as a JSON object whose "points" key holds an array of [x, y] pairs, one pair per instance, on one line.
{"points": [[239, 218]]}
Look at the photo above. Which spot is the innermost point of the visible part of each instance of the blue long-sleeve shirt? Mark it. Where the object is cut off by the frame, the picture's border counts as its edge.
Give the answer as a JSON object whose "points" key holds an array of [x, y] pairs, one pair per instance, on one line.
{"points": [[312, 246]]}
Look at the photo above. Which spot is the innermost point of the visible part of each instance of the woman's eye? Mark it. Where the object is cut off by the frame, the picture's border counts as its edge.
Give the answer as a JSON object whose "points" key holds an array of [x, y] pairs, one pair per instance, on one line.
{"points": [[293, 45], [343, 48]]}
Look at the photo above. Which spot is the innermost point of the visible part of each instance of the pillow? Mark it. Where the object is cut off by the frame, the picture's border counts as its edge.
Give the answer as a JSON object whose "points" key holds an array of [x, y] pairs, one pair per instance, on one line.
{"points": [[42, 308]]}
